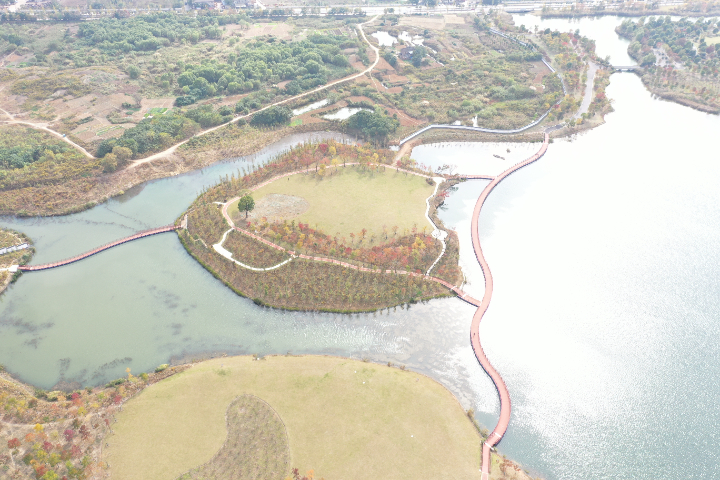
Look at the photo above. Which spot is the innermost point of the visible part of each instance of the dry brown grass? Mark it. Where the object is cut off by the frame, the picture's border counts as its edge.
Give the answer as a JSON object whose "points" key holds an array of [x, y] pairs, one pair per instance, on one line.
{"points": [[256, 447]]}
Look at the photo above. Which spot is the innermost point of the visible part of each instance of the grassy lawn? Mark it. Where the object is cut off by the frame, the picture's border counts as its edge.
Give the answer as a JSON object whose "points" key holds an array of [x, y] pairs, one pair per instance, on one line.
{"points": [[345, 419], [353, 199]]}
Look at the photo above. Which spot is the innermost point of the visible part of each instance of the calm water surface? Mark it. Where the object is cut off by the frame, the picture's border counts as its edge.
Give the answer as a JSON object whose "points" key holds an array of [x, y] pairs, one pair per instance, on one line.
{"points": [[604, 319]]}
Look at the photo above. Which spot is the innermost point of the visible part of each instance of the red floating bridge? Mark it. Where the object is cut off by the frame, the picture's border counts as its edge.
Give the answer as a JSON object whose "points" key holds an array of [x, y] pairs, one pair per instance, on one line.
{"points": [[137, 236], [502, 389]]}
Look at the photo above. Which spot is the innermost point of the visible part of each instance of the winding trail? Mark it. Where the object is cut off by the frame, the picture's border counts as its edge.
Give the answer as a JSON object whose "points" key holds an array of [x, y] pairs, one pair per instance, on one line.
{"points": [[502, 389], [43, 127], [459, 292], [172, 149]]}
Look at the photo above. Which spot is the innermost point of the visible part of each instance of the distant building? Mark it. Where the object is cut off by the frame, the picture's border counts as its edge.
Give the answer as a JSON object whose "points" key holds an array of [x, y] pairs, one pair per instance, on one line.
{"points": [[201, 4], [406, 53]]}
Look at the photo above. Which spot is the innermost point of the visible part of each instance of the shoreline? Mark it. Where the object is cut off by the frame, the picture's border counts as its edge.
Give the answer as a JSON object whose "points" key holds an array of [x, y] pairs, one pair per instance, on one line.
{"points": [[629, 14], [223, 270], [131, 387], [116, 184]]}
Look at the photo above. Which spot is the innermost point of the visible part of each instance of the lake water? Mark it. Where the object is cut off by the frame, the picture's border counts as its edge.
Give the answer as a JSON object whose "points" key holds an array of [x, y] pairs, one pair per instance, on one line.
{"points": [[384, 38], [603, 323], [343, 114], [310, 107]]}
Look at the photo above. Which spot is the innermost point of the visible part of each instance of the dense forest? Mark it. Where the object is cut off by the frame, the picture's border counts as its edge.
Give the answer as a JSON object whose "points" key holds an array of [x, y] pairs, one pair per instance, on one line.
{"points": [[152, 31], [688, 43], [265, 62]]}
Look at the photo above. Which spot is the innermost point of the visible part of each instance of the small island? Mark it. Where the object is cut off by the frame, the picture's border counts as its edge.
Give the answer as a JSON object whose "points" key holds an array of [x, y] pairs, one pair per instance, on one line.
{"points": [[680, 58], [333, 227]]}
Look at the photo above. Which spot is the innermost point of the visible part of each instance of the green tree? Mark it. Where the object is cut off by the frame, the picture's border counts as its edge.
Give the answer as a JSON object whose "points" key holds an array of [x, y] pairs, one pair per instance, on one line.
{"points": [[418, 55], [109, 163], [246, 204], [272, 116], [133, 71], [390, 58], [123, 154]]}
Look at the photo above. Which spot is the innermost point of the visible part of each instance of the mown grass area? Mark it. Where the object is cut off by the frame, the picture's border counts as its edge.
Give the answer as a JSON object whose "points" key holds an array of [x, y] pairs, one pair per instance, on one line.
{"points": [[256, 447], [348, 199], [344, 418]]}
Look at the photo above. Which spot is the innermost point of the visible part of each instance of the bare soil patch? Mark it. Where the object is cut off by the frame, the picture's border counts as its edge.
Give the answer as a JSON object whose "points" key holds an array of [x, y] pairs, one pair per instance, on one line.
{"points": [[278, 206], [539, 69], [454, 20], [383, 65], [280, 30], [432, 23]]}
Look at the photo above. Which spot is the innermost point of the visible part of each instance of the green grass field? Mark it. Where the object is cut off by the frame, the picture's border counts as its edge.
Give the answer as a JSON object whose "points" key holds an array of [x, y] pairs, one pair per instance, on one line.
{"points": [[352, 199], [345, 419]]}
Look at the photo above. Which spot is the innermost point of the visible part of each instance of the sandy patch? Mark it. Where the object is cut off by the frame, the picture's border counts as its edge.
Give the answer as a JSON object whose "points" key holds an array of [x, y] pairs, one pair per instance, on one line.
{"points": [[539, 70], [280, 30], [278, 206], [432, 23], [383, 65], [454, 20]]}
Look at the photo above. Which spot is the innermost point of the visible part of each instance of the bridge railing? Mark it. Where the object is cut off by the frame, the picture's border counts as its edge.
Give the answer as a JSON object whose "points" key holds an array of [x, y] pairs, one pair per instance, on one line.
{"points": [[136, 236]]}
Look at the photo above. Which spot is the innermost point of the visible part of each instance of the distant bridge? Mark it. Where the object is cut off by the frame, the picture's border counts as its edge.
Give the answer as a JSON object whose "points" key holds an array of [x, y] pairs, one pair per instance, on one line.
{"points": [[627, 68], [146, 233]]}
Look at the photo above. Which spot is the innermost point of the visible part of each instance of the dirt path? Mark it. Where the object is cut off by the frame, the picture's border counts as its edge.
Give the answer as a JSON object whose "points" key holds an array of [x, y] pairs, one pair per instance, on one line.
{"points": [[44, 127], [172, 149], [281, 102]]}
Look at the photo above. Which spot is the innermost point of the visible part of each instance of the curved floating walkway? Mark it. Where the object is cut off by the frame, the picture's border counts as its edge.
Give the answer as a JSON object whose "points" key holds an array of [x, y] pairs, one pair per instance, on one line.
{"points": [[502, 389], [505, 406], [146, 233]]}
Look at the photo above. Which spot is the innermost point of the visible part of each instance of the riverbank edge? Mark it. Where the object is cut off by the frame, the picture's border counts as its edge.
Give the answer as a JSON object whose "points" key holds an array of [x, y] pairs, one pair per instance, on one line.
{"points": [[629, 14], [180, 162], [24, 259], [262, 303], [665, 94], [185, 160], [153, 378], [449, 253]]}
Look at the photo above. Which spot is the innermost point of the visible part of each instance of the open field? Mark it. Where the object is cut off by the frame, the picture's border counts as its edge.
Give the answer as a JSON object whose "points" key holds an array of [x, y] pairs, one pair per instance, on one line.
{"points": [[344, 418], [353, 198]]}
